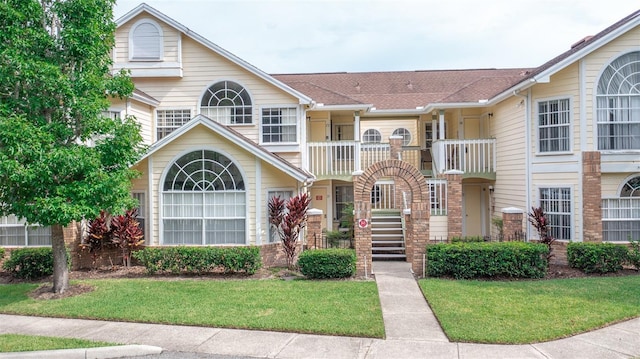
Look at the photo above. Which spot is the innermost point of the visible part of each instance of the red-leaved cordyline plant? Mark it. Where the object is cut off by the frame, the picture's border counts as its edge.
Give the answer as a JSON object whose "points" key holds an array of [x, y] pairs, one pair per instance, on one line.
{"points": [[98, 236], [538, 219], [127, 234], [289, 223]]}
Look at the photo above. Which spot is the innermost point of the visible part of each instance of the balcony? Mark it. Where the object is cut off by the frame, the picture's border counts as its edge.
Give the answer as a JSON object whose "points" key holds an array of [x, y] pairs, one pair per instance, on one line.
{"points": [[475, 158], [339, 159]]}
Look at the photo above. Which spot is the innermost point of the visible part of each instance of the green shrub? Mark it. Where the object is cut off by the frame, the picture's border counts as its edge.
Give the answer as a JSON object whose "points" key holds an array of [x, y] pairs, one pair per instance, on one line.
{"points": [[1, 253], [30, 263], [633, 257], [596, 257], [328, 263], [200, 259], [468, 239], [475, 260]]}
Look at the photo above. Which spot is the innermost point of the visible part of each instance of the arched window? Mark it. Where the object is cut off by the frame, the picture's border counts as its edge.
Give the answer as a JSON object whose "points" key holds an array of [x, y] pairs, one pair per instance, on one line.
{"points": [[618, 104], [145, 41], [204, 200], [631, 188], [406, 135], [227, 102], [371, 136]]}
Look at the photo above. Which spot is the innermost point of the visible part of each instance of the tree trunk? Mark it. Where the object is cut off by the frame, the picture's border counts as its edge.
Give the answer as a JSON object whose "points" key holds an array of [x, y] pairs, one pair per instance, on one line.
{"points": [[60, 267]]}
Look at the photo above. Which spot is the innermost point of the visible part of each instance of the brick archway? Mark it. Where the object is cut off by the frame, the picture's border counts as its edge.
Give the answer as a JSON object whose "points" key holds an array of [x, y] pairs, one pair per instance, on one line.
{"points": [[409, 180]]}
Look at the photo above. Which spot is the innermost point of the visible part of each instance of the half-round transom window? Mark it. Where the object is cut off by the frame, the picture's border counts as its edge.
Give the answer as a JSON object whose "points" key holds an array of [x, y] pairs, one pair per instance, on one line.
{"points": [[227, 102], [631, 188], [618, 104], [406, 135], [204, 200]]}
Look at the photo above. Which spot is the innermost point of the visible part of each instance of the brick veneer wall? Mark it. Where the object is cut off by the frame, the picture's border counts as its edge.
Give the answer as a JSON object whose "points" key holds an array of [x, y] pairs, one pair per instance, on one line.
{"points": [[591, 197], [454, 204], [314, 228], [512, 222]]}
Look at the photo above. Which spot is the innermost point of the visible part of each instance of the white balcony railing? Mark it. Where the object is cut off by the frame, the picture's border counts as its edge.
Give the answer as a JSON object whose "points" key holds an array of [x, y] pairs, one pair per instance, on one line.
{"points": [[342, 158], [468, 156]]}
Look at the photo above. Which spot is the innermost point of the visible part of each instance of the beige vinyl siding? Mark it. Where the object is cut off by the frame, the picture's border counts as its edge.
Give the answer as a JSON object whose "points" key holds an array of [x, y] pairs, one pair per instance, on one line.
{"points": [[386, 126], [144, 115], [594, 63], [507, 126], [611, 183], [438, 228]]}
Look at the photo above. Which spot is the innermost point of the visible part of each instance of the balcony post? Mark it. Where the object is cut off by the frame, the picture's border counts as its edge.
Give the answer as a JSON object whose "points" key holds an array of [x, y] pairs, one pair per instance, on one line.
{"points": [[356, 137], [441, 134]]}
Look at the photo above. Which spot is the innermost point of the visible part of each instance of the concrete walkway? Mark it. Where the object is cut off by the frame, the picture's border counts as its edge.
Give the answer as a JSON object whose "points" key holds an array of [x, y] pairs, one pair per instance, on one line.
{"points": [[412, 332]]}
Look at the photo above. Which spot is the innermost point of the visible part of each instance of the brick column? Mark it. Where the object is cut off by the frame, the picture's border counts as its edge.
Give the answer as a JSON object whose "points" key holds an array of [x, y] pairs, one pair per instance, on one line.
{"points": [[72, 239], [314, 228], [395, 142], [512, 223], [454, 205], [418, 235], [591, 197], [362, 210]]}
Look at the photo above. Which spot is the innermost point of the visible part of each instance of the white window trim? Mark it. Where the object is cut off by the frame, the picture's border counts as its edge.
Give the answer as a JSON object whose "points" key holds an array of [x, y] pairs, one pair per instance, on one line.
{"points": [[574, 203], [281, 146], [144, 216], [161, 40], [537, 126], [165, 171], [371, 129], [407, 131], [156, 119], [255, 118]]}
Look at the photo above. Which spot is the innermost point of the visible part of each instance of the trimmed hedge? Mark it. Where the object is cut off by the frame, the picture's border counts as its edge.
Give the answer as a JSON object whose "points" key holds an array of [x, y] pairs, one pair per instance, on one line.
{"points": [[475, 260], [1, 253], [200, 259], [30, 263], [596, 257], [328, 263]]}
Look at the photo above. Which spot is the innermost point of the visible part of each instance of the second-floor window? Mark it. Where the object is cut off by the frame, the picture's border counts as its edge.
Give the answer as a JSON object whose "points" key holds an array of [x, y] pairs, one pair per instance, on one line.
{"points": [[227, 102], [279, 125], [554, 125], [145, 41], [371, 136], [170, 120], [618, 104], [406, 135]]}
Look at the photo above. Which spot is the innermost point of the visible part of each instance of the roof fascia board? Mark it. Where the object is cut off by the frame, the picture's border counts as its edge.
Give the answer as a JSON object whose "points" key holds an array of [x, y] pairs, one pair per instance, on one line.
{"points": [[302, 98], [357, 107], [221, 130], [145, 100]]}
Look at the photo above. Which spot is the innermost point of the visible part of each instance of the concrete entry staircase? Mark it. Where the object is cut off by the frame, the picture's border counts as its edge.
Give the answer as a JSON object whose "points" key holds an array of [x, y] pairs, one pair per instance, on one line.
{"points": [[387, 236]]}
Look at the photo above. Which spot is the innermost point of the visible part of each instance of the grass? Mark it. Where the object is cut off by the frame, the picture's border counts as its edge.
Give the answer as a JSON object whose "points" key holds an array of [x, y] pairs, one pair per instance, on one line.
{"points": [[349, 308], [520, 312], [24, 343]]}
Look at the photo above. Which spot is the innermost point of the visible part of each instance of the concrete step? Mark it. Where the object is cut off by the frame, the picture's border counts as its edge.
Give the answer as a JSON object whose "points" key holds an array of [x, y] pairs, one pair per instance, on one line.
{"points": [[388, 249]]}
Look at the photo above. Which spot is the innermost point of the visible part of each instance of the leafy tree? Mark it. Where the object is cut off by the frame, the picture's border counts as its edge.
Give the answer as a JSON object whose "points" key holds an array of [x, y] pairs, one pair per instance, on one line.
{"points": [[54, 84], [289, 219]]}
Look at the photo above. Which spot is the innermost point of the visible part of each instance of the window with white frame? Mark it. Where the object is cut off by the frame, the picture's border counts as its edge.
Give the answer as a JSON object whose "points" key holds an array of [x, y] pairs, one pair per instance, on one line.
{"points": [[554, 125], [203, 200], [431, 133], [556, 203], [146, 41], [227, 102], [112, 114], [343, 197], [284, 195], [371, 136], [618, 104], [170, 120], [279, 125], [621, 215], [406, 135], [15, 232], [140, 198]]}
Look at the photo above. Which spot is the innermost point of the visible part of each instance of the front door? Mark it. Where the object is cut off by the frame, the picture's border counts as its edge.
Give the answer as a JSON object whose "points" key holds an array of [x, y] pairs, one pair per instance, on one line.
{"points": [[319, 201], [473, 210]]}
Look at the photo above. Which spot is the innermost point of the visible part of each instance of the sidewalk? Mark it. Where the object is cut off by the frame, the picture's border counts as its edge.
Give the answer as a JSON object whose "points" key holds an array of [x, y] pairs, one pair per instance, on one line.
{"points": [[412, 332]]}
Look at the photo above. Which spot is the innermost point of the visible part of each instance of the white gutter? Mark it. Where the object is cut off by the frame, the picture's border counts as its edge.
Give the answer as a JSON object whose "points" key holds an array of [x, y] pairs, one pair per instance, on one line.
{"points": [[527, 153], [357, 107]]}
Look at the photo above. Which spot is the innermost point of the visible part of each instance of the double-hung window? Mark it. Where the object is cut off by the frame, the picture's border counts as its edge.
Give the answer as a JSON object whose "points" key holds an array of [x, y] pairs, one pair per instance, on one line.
{"points": [[284, 195], [554, 125], [556, 203], [279, 125], [15, 232], [170, 120]]}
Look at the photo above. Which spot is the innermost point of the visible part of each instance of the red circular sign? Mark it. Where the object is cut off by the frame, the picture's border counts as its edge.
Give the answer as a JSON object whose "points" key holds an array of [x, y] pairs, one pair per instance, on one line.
{"points": [[363, 223]]}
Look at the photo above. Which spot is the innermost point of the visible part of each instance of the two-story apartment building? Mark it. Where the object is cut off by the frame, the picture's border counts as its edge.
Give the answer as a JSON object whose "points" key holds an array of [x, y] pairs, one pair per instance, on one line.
{"points": [[224, 137]]}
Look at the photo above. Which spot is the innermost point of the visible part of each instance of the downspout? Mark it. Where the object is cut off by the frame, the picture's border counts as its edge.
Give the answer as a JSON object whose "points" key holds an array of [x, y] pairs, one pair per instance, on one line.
{"points": [[527, 153]]}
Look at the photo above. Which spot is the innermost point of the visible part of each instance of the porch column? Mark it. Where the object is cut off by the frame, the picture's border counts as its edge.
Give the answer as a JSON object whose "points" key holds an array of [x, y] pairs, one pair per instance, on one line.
{"points": [[454, 203], [314, 228], [591, 197], [356, 137], [395, 144], [441, 134], [417, 235], [512, 223]]}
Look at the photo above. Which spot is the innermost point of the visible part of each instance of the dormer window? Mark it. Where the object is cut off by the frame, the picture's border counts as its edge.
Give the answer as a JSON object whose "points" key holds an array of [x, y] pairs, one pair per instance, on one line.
{"points": [[145, 41]]}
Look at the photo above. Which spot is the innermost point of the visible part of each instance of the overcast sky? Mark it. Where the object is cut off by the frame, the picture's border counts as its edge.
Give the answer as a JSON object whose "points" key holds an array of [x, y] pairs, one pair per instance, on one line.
{"points": [[392, 35]]}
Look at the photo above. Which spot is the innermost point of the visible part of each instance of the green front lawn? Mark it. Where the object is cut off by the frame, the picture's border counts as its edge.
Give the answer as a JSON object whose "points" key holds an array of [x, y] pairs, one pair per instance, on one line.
{"points": [[521, 312], [349, 308], [25, 343]]}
